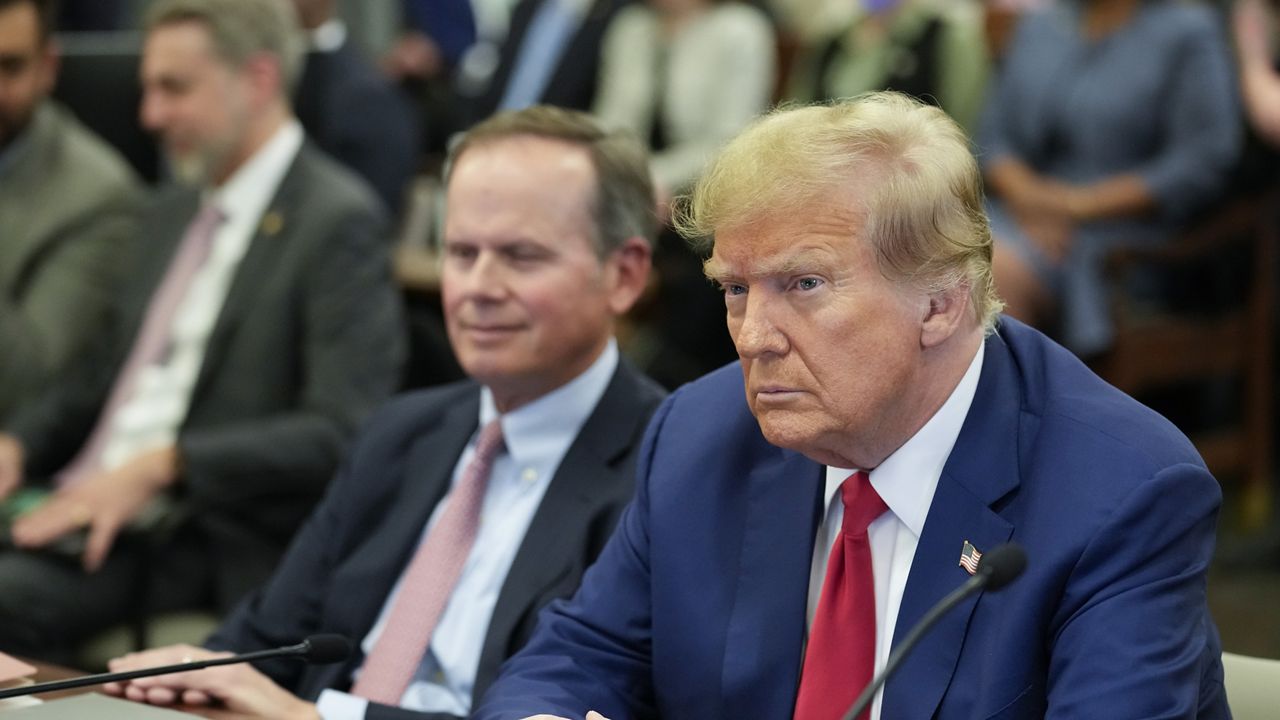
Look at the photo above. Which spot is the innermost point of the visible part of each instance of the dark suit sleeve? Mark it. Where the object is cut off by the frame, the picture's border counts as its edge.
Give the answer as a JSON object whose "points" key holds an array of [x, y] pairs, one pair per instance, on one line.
{"points": [[592, 652], [352, 346], [290, 605], [1129, 638]]}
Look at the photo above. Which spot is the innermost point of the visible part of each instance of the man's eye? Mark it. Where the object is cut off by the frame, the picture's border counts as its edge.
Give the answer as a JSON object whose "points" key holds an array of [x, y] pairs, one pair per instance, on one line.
{"points": [[733, 289], [808, 283]]}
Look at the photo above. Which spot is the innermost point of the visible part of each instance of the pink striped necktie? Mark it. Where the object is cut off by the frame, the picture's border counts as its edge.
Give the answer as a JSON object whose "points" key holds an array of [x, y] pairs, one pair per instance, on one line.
{"points": [[429, 581], [154, 338]]}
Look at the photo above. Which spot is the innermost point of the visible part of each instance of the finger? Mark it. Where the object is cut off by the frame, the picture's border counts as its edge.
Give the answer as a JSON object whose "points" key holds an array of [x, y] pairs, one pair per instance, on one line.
{"points": [[102, 534], [196, 697], [42, 526], [113, 688], [162, 695]]}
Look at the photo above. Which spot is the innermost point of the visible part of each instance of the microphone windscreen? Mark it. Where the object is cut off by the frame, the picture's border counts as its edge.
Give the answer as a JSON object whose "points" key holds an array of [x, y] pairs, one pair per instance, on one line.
{"points": [[1002, 565], [327, 648]]}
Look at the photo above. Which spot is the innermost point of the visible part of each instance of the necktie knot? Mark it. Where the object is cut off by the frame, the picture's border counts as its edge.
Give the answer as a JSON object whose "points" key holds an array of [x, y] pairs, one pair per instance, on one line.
{"points": [[862, 504], [490, 442]]}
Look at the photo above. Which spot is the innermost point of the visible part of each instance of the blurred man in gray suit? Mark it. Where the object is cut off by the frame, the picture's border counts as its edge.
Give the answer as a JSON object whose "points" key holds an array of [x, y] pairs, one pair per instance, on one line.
{"points": [[68, 205], [258, 326]]}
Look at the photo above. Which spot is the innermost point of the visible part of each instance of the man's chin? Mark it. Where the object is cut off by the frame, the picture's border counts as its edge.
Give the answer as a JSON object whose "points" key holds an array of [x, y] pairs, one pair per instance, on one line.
{"points": [[187, 169]]}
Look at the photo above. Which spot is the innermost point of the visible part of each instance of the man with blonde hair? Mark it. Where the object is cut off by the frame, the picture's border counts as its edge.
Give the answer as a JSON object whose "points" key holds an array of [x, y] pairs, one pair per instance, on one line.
{"points": [[799, 513]]}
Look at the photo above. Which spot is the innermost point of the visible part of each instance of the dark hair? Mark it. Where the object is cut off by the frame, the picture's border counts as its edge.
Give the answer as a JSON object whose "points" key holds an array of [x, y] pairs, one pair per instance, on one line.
{"points": [[46, 13], [624, 202]]}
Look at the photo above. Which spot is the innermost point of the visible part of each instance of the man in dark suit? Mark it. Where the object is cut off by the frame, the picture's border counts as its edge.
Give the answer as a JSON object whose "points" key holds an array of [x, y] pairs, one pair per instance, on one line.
{"points": [[351, 110], [250, 342], [886, 426], [68, 205], [551, 55], [546, 242]]}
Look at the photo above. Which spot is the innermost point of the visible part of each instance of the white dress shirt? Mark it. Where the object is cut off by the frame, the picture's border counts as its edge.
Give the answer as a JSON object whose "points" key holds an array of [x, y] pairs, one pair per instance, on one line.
{"points": [[906, 481], [149, 419], [537, 437]]}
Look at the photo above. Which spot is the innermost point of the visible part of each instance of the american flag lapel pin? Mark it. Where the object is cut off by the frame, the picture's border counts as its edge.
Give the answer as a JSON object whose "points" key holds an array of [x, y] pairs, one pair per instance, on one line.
{"points": [[969, 557]]}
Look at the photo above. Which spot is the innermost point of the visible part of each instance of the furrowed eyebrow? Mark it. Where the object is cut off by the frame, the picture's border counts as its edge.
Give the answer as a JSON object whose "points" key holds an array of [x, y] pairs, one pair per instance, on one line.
{"points": [[790, 265]]}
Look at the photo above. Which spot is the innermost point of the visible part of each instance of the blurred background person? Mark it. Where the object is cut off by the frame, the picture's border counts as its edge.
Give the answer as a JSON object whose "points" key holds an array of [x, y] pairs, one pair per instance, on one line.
{"points": [[68, 209], [351, 110], [549, 55], [1258, 77], [1111, 122], [934, 50], [434, 38], [687, 75], [258, 326]]}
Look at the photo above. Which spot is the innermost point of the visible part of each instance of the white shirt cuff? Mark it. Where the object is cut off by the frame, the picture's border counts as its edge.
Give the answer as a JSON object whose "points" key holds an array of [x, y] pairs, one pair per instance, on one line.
{"points": [[334, 705]]}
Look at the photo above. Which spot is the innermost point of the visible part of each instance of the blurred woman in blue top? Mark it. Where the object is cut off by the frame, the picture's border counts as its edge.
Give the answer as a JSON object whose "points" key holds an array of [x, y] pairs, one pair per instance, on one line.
{"points": [[1110, 122]]}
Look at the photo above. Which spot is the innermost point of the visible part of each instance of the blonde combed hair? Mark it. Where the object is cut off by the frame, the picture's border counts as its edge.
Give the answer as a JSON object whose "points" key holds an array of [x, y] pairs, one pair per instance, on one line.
{"points": [[923, 216]]}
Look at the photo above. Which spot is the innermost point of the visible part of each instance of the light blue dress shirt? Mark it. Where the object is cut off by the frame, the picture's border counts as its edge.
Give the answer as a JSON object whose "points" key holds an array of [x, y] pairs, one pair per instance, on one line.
{"points": [[537, 436]]}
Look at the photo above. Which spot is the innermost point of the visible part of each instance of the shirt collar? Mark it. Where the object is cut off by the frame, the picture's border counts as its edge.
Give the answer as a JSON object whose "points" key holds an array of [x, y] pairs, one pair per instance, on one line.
{"points": [[253, 184], [555, 418], [330, 36], [907, 479]]}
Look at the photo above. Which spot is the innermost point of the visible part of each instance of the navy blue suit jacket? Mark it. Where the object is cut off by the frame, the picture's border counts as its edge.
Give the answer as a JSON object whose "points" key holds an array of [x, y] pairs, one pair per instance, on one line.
{"points": [[696, 608], [344, 562]]}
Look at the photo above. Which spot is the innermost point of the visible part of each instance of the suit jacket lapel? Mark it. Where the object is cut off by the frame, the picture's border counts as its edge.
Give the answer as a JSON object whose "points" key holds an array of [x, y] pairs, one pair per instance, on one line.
{"points": [[587, 474], [260, 260], [764, 645], [982, 469]]}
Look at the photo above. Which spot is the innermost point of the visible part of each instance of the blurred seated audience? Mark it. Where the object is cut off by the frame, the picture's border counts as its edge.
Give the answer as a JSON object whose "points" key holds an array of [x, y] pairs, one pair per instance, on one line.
{"points": [[351, 110], [68, 209], [433, 41], [1110, 123], [1254, 25], [935, 51], [257, 327], [687, 75], [550, 55], [546, 242]]}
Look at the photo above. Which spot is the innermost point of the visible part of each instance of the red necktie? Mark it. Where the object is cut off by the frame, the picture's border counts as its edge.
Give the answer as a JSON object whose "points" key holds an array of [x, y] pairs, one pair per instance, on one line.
{"points": [[429, 580], [840, 657]]}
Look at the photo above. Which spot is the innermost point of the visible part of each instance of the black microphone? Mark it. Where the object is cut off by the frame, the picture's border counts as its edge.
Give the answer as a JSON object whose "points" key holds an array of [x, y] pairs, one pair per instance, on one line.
{"points": [[316, 650], [997, 568]]}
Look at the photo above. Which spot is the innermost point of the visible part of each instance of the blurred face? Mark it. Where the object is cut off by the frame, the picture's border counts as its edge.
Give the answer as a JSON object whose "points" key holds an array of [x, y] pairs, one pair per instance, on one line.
{"points": [[528, 303], [27, 69], [829, 347], [195, 101]]}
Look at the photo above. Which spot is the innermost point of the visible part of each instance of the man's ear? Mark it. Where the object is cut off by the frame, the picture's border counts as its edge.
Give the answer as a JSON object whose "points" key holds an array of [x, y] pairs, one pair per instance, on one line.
{"points": [[265, 76], [945, 311], [50, 61], [627, 272]]}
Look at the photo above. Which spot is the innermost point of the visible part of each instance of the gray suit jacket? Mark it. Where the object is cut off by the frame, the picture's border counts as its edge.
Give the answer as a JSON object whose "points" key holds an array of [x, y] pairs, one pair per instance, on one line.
{"points": [[343, 564], [68, 209], [309, 340]]}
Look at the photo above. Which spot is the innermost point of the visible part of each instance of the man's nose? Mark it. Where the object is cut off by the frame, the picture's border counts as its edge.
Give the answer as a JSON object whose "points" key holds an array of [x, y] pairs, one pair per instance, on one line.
{"points": [[758, 332]]}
